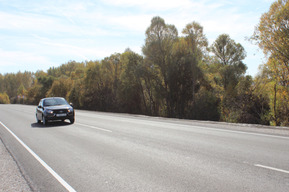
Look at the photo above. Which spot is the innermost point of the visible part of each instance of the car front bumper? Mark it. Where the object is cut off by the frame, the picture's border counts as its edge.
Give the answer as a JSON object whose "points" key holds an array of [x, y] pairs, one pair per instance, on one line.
{"points": [[59, 116]]}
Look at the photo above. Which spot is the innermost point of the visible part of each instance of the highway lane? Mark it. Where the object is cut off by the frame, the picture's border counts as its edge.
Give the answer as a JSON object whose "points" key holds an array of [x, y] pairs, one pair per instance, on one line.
{"points": [[118, 152]]}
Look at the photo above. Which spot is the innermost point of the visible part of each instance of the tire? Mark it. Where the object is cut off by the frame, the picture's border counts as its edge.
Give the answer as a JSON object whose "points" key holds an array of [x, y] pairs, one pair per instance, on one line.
{"points": [[44, 121], [71, 120]]}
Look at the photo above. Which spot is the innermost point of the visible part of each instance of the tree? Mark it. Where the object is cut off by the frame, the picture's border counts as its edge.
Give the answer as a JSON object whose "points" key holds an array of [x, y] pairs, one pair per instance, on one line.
{"points": [[34, 94], [45, 81], [4, 98], [193, 50], [272, 36], [248, 105], [160, 38], [59, 88], [272, 32], [229, 57], [130, 93], [271, 84], [197, 40]]}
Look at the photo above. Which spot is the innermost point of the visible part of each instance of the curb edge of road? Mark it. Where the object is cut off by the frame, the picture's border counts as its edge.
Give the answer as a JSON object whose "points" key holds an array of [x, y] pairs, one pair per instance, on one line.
{"points": [[217, 122]]}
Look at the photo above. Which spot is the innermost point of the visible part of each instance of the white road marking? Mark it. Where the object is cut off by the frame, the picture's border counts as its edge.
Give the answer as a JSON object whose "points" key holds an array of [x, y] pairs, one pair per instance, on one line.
{"points": [[271, 168], [47, 167], [94, 127], [243, 132], [175, 126]]}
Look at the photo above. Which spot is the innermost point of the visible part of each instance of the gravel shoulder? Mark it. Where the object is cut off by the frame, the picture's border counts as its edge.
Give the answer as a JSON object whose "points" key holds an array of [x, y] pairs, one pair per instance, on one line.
{"points": [[11, 179]]}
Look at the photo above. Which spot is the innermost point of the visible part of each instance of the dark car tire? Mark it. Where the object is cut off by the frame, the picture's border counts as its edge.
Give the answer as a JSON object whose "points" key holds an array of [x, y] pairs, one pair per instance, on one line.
{"points": [[44, 121], [71, 120]]}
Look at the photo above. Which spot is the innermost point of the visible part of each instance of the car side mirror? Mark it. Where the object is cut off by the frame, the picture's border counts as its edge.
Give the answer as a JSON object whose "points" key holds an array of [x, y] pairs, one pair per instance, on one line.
{"points": [[39, 107], [71, 104]]}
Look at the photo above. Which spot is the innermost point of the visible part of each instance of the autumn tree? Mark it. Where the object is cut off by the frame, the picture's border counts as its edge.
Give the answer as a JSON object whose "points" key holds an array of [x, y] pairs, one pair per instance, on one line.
{"points": [[160, 38], [130, 94], [272, 36], [273, 85], [272, 32], [229, 67], [60, 88], [4, 98], [186, 76]]}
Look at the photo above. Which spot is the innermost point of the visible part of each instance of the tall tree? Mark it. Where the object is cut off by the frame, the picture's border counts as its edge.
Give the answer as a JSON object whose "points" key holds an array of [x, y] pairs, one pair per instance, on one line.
{"points": [[185, 74], [130, 93], [229, 57], [272, 32], [272, 36], [160, 38]]}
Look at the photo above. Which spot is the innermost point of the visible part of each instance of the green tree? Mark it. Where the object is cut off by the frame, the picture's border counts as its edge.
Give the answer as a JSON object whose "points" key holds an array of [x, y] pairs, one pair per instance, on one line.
{"points": [[248, 106], [230, 56], [191, 52], [160, 38], [45, 81], [229, 66], [131, 95]]}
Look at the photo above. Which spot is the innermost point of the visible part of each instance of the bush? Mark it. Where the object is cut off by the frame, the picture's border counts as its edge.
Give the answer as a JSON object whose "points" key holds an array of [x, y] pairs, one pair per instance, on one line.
{"points": [[4, 98]]}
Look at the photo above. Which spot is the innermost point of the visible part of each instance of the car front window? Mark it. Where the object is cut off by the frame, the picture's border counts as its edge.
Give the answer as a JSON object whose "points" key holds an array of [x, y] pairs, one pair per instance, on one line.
{"points": [[55, 101]]}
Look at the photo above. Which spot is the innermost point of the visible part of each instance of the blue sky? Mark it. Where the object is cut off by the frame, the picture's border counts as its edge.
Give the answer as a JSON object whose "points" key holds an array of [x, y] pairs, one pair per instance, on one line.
{"points": [[39, 34]]}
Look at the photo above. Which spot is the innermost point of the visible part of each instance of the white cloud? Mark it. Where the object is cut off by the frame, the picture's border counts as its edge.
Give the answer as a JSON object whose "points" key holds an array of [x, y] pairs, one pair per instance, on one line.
{"points": [[23, 61], [54, 32], [150, 4]]}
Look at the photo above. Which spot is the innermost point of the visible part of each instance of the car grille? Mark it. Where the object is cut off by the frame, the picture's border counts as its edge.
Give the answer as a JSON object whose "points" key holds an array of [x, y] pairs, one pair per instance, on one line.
{"points": [[59, 111]]}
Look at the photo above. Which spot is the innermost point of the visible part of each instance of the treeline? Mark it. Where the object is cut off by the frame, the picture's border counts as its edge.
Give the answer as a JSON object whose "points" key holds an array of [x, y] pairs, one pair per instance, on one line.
{"points": [[177, 76]]}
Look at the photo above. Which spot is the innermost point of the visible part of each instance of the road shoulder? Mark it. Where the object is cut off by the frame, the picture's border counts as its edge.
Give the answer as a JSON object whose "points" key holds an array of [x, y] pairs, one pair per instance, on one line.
{"points": [[11, 178]]}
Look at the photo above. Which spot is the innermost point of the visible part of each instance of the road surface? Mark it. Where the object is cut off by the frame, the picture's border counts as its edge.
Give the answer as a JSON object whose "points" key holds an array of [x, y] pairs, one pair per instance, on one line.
{"points": [[119, 152]]}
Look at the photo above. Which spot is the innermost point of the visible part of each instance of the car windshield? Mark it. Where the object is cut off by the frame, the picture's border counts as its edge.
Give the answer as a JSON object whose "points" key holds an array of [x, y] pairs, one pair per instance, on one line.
{"points": [[54, 101]]}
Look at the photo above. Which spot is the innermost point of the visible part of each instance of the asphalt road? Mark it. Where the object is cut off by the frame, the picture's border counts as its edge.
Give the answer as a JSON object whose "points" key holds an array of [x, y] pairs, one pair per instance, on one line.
{"points": [[118, 152]]}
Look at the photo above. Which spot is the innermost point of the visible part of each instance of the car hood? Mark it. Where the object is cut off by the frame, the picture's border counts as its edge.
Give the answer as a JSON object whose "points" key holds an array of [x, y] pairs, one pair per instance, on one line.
{"points": [[57, 107]]}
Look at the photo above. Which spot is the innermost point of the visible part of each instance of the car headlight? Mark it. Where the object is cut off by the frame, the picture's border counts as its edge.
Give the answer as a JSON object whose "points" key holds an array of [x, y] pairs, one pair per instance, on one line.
{"points": [[49, 111], [70, 110]]}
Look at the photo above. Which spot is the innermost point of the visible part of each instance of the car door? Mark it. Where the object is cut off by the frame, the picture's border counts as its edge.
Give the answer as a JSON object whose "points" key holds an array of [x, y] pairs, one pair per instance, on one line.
{"points": [[39, 110]]}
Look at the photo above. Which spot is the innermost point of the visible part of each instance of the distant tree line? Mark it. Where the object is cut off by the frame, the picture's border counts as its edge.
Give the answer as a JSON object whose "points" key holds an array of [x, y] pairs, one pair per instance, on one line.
{"points": [[177, 77]]}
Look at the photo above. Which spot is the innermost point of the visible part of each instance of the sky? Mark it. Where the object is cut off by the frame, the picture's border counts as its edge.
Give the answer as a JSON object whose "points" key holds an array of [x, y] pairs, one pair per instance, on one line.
{"points": [[39, 34]]}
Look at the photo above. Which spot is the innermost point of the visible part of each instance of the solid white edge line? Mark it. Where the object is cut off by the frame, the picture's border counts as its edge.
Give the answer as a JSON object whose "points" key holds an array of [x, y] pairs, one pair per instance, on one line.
{"points": [[163, 124], [93, 127], [47, 167], [271, 168], [243, 132]]}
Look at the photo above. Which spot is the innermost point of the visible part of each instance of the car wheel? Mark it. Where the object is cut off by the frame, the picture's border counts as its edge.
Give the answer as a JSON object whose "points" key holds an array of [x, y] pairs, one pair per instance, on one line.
{"points": [[44, 121], [71, 120]]}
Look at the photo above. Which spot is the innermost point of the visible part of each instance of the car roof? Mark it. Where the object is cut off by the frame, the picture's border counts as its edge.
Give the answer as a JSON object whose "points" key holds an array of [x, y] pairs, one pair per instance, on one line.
{"points": [[53, 98]]}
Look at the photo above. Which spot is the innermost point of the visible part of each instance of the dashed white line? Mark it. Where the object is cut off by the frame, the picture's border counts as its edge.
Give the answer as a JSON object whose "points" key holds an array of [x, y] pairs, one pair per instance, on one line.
{"points": [[94, 127], [171, 125], [271, 168], [47, 167]]}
